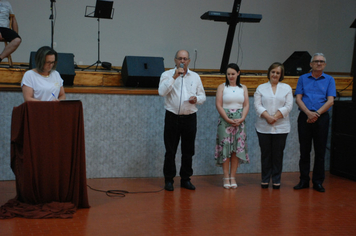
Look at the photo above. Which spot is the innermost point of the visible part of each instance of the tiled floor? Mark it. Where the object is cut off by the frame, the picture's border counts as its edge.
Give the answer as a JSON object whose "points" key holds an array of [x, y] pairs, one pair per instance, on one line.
{"points": [[209, 210]]}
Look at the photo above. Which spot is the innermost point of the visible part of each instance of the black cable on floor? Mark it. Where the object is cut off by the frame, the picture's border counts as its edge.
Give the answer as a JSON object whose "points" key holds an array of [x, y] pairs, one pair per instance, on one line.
{"points": [[121, 193]]}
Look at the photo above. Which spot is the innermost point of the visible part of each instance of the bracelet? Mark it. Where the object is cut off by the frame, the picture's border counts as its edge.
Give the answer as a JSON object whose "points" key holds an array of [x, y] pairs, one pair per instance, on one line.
{"points": [[317, 113]]}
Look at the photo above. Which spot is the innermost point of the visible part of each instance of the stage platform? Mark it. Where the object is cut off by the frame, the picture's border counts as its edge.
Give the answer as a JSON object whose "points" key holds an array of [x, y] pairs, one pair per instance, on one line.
{"points": [[103, 81]]}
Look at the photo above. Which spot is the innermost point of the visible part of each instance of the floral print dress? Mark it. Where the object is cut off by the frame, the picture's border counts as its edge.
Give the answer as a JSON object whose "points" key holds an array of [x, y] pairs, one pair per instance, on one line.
{"points": [[231, 139]]}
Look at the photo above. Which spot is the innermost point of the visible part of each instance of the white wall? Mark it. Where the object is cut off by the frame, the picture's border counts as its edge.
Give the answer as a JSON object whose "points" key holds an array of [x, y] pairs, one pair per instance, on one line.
{"points": [[161, 27]]}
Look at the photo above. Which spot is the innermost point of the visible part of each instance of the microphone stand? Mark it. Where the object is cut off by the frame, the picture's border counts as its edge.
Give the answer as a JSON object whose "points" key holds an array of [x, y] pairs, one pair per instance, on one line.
{"points": [[52, 25]]}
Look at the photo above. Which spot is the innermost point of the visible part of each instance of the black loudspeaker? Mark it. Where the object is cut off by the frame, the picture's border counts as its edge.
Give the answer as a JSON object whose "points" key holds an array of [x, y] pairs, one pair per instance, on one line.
{"points": [[297, 64], [142, 71], [343, 139], [65, 66], [353, 66]]}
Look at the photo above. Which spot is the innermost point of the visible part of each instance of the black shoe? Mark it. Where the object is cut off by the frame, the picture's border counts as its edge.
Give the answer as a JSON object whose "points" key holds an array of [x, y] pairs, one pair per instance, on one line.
{"points": [[169, 186], [187, 184], [263, 185], [301, 185], [276, 186], [319, 188]]}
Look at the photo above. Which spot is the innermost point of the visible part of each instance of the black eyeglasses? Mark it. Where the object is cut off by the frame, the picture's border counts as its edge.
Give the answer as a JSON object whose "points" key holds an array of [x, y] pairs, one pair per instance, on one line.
{"points": [[182, 58], [319, 61]]}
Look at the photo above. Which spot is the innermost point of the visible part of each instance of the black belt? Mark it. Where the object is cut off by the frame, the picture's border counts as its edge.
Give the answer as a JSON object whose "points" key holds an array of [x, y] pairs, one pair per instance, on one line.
{"points": [[180, 116]]}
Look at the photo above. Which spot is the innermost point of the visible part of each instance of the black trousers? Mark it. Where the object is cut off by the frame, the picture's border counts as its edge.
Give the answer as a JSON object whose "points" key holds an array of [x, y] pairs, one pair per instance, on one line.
{"points": [[272, 147], [183, 128], [317, 134]]}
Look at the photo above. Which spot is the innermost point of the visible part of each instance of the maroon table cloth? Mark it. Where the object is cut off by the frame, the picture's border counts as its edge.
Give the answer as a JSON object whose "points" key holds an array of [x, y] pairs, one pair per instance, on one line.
{"points": [[48, 153]]}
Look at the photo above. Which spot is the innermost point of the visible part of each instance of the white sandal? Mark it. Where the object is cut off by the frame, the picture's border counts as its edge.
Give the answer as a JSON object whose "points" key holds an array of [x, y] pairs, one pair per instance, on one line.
{"points": [[233, 185], [226, 185]]}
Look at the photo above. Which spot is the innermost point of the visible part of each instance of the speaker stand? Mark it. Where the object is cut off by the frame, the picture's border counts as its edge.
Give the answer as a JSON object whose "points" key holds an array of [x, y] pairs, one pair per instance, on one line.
{"points": [[52, 24], [98, 62]]}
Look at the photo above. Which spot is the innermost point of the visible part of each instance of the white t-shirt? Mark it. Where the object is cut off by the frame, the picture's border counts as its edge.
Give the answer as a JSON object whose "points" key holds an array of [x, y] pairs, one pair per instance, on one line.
{"points": [[44, 88], [5, 11]]}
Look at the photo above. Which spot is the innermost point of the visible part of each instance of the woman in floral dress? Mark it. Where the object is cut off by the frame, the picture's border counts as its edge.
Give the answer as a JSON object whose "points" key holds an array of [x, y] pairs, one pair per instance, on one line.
{"points": [[232, 104]]}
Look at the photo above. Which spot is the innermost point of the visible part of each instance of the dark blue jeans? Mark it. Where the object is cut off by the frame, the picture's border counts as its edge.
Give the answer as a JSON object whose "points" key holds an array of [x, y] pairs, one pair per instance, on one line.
{"points": [[183, 128], [316, 134]]}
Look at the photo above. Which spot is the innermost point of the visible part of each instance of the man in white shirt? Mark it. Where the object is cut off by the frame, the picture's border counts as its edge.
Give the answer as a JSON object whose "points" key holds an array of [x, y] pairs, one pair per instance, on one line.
{"points": [[10, 35], [182, 89]]}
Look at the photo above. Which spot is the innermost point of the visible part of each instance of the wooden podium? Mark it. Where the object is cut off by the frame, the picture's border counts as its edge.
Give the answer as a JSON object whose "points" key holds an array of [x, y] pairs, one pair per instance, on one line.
{"points": [[48, 153]]}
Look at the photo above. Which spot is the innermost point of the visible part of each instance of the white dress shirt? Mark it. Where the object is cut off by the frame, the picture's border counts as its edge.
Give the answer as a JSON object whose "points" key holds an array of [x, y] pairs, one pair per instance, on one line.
{"points": [[266, 100], [178, 91]]}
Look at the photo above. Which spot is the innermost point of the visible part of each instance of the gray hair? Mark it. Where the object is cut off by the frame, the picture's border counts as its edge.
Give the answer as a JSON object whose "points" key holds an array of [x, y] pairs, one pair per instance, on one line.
{"points": [[180, 51], [317, 54]]}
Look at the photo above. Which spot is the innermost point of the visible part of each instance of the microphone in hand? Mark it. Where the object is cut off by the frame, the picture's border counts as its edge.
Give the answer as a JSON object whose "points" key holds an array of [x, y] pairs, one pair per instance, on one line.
{"points": [[181, 65]]}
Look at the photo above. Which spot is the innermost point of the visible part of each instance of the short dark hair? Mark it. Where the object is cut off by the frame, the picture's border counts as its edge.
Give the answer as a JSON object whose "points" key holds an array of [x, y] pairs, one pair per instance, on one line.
{"points": [[237, 68], [40, 57], [275, 65]]}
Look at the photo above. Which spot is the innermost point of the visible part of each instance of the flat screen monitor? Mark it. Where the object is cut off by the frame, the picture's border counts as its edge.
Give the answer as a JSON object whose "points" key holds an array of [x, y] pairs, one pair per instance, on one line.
{"points": [[103, 9]]}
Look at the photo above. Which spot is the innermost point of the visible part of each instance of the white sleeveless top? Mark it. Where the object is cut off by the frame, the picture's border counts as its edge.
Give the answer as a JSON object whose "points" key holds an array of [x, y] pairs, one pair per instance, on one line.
{"points": [[233, 97]]}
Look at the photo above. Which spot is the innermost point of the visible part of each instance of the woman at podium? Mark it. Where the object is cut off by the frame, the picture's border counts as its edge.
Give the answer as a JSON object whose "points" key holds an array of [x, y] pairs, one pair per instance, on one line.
{"points": [[43, 83]]}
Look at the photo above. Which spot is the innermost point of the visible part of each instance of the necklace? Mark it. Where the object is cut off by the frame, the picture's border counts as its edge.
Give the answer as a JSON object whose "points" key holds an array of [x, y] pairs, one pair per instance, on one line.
{"points": [[46, 76]]}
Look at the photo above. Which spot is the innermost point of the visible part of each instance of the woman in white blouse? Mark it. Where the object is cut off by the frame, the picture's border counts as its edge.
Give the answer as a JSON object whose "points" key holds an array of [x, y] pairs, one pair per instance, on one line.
{"points": [[273, 102]]}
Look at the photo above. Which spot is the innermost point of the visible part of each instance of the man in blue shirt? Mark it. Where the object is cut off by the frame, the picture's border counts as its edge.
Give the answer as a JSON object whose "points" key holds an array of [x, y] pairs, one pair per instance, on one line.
{"points": [[315, 95]]}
